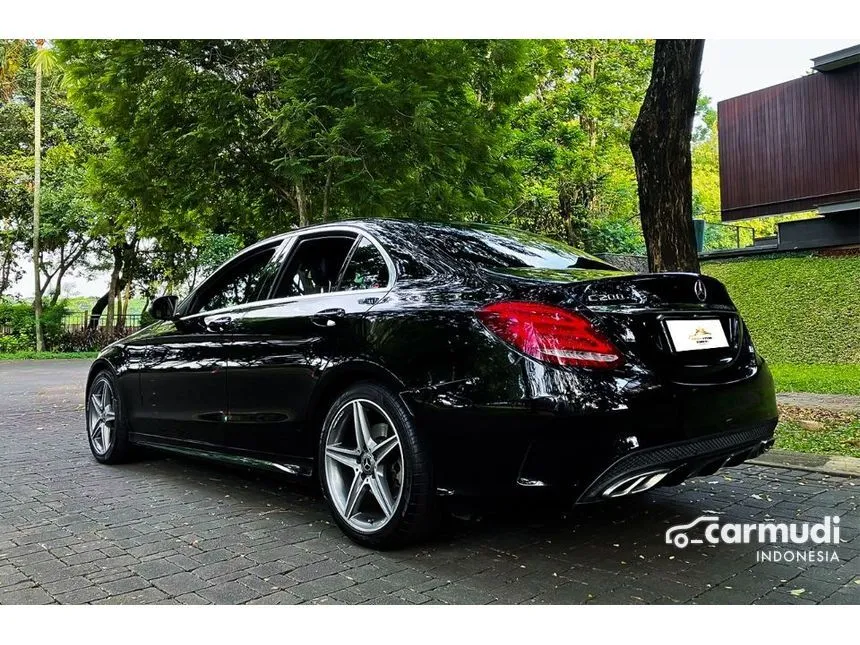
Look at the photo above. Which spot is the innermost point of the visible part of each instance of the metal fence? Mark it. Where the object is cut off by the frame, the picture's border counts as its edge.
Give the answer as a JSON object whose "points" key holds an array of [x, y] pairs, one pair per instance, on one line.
{"points": [[720, 236], [81, 320]]}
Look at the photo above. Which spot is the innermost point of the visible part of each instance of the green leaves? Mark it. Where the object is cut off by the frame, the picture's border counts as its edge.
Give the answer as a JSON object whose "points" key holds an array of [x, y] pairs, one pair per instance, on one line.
{"points": [[256, 135], [45, 59], [571, 136]]}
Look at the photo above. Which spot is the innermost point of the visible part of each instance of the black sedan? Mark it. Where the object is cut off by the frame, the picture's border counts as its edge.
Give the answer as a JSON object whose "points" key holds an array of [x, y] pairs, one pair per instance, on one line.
{"points": [[399, 362]]}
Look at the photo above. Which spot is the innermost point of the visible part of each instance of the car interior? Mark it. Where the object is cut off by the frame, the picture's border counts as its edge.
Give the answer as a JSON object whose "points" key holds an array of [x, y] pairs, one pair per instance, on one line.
{"points": [[315, 266]]}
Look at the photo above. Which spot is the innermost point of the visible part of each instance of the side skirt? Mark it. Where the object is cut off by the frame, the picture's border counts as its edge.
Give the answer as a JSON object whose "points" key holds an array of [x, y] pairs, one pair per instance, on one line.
{"points": [[295, 469]]}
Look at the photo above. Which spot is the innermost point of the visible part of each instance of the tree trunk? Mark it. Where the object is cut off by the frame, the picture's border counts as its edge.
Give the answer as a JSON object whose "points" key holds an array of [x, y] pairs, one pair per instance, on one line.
{"points": [[326, 192], [302, 206], [55, 296], [114, 286], [126, 296], [37, 193], [66, 263], [6, 272], [98, 308], [660, 143]]}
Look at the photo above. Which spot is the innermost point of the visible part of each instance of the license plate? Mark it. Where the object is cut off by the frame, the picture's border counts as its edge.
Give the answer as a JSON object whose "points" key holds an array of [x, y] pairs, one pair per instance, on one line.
{"points": [[689, 335]]}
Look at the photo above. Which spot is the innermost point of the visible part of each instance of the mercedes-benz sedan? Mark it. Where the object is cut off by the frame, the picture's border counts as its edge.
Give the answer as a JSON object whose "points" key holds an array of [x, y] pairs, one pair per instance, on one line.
{"points": [[398, 362]]}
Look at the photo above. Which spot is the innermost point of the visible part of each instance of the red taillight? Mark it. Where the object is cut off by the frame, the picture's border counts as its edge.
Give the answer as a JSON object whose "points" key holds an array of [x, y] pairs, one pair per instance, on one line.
{"points": [[550, 334]]}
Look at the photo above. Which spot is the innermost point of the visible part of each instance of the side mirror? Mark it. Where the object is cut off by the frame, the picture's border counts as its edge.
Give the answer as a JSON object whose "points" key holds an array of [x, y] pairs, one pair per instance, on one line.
{"points": [[163, 307]]}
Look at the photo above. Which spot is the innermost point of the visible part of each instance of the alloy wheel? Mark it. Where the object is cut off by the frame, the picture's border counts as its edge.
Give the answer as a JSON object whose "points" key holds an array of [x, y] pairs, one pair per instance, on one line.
{"points": [[364, 465], [101, 416]]}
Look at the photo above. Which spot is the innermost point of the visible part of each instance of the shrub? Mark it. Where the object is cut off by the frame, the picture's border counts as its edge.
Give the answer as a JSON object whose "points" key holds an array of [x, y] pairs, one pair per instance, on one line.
{"points": [[613, 235], [87, 340], [20, 320]]}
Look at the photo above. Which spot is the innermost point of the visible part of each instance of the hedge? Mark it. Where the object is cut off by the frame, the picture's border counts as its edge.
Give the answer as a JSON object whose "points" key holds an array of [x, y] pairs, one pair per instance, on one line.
{"points": [[19, 318], [798, 309]]}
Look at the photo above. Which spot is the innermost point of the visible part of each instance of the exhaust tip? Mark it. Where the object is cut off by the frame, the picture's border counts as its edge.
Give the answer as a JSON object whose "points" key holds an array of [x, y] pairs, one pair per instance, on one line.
{"points": [[636, 484]]}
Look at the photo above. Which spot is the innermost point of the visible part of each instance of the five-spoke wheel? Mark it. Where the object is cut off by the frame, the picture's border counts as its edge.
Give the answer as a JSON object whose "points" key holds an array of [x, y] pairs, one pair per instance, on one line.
{"points": [[374, 469], [101, 416], [364, 465], [105, 429]]}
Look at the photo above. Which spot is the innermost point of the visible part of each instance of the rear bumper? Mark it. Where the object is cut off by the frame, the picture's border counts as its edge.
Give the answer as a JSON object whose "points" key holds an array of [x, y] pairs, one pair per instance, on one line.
{"points": [[673, 463], [589, 440]]}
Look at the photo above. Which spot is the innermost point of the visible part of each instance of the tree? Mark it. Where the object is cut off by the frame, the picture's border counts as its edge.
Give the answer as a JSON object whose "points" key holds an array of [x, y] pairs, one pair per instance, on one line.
{"points": [[66, 230], [16, 162], [16, 172], [11, 59], [43, 63], [572, 136], [250, 137], [660, 143]]}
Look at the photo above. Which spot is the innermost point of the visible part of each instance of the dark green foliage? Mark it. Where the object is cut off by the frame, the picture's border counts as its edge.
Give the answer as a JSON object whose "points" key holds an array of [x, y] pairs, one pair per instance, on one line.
{"points": [[41, 356], [799, 309], [18, 319], [571, 139], [614, 235], [253, 136]]}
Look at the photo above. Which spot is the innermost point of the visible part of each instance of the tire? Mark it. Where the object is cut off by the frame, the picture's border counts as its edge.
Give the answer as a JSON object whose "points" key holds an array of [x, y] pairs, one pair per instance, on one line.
{"points": [[361, 477], [108, 438]]}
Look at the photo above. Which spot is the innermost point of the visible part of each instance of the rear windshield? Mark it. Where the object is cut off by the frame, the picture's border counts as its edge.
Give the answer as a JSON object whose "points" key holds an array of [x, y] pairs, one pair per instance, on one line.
{"points": [[496, 247]]}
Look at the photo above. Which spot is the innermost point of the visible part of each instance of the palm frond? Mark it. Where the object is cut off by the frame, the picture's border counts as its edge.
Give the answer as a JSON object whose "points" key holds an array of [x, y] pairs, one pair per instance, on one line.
{"points": [[45, 59]]}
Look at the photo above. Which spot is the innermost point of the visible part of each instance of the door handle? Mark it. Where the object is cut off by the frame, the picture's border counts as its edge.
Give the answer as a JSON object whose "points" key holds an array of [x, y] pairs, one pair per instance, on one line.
{"points": [[327, 317], [218, 324]]}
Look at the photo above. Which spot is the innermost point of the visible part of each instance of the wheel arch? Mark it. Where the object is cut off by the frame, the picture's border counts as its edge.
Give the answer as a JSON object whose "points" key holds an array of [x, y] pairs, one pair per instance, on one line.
{"points": [[99, 365], [335, 380]]}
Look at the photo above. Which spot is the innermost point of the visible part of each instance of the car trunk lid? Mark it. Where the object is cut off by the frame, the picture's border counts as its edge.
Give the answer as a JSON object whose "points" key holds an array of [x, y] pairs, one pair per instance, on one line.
{"points": [[637, 311]]}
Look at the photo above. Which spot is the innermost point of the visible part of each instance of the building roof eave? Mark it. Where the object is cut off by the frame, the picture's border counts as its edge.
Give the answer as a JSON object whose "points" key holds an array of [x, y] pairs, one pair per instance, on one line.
{"points": [[837, 59]]}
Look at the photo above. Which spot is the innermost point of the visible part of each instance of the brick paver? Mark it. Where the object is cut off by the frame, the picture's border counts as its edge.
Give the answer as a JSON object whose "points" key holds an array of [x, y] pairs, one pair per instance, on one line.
{"points": [[165, 530]]}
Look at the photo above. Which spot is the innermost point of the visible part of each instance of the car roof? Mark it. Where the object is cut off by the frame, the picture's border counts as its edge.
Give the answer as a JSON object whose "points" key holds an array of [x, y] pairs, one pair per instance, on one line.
{"points": [[390, 224], [388, 230]]}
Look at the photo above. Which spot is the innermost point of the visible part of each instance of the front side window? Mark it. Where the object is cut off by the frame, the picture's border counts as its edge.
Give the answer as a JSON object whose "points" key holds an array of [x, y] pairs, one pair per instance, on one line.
{"points": [[366, 268], [239, 285], [315, 266]]}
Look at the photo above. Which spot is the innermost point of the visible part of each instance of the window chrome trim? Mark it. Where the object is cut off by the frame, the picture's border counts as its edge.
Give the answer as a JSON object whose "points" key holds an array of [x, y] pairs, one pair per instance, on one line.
{"points": [[247, 306], [289, 242]]}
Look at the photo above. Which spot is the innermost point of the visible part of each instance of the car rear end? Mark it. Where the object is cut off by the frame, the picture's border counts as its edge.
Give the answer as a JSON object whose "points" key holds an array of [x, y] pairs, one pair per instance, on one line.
{"points": [[536, 367], [649, 379]]}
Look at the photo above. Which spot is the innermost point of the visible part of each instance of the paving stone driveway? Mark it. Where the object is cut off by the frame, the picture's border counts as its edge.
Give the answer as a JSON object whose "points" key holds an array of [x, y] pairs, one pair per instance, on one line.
{"points": [[175, 531]]}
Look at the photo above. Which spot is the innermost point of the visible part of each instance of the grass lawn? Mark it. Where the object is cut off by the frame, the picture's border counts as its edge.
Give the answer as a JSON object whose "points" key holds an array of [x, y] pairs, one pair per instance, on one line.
{"points": [[18, 356], [801, 309], [822, 379]]}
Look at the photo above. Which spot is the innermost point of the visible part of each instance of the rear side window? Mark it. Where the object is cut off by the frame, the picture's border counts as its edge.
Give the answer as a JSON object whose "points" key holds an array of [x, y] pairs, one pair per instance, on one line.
{"points": [[366, 268], [315, 266]]}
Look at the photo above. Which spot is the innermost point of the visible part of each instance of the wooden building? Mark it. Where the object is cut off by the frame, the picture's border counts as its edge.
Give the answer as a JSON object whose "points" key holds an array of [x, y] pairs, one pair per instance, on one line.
{"points": [[796, 147]]}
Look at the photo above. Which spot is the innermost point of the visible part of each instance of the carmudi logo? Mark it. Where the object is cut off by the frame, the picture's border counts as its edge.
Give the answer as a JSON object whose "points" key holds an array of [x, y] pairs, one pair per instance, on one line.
{"points": [[707, 529]]}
